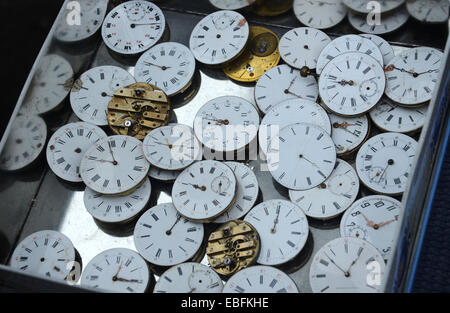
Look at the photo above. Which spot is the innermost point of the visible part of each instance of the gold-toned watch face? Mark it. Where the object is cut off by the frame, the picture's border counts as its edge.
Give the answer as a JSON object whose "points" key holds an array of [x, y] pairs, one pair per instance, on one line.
{"points": [[272, 7], [232, 247], [137, 109], [261, 55]]}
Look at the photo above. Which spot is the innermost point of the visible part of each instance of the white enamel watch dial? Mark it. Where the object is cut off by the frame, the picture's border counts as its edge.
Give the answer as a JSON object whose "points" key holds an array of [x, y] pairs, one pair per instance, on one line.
{"points": [[429, 11], [306, 156], [332, 197], [231, 4], [189, 278], [24, 144], [47, 253], [169, 66], [301, 46], [163, 237], [260, 279], [219, 37], [349, 133], [320, 14], [117, 209], [385, 161], [283, 83], [118, 270], [412, 75], [114, 165], [163, 175], [50, 86], [172, 147], [67, 146], [374, 219], [226, 123], [352, 84], [347, 43], [246, 195], [290, 112], [390, 117], [389, 22], [362, 6], [93, 91], [282, 228], [204, 190], [347, 265], [385, 48], [133, 27], [92, 13]]}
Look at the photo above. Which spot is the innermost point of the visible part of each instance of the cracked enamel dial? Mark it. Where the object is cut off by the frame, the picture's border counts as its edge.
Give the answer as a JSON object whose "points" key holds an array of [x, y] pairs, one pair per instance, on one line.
{"points": [[92, 13], [389, 22], [169, 66], [332, 197], [226, 123], [133, 27], [412, 75], [246, 195], [163, 175], [365, 6], [204, 190], [117, 270], [347, 265], [94, 90], [114, 165], [283, 83], [385, 161], [301, 46], [172, 147], [306, 156], [429, 11], [231, 4], [117, 209], [352, 84], [189, 278], [374, 219], [24, 144], [391, 117], [260, 279], [165, 238], [219, 37], [320, 14], [385, 48], [283, 230], [47, 253], [349, 133], [67, 147], [347, 43]]}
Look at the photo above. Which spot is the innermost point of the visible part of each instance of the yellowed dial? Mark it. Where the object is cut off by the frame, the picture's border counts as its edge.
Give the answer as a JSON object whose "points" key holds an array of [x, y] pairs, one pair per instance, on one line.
{"points": [[272, 7]]}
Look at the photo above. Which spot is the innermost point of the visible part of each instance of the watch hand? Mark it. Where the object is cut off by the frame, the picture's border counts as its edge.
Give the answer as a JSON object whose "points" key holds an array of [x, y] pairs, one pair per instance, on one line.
{"points": [[353, 263], [112, 154], [291, 93], [344, 82], [218, 122], [427, 72], [114, 278], [386, 223], [304, 158], [103, 161], [127, 280], [369, 222], [275, 222], [161, 67], [393, 67], [169, 232], [202, 188], [332, 261]]}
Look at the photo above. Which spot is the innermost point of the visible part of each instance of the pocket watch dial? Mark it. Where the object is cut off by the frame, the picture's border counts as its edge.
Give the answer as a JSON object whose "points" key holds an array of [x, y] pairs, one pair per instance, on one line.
{"points": [[189, 278], [390, 117], [283, 83], [347, 265], [246, 195], [301, 46], [412, 75], [282, 228], [133, 27], [93, 91], [117, 209], [226, 123], [349, 133], [374, 219], [231, 4], [163, 175], [362, 6], [47, 253], [67, 146], [24, 144], [306, 156], [163, 237], [344, 44], [385, 48], [352, 84], [320, 14], [169, 65], [429, 11], [385, 161], [389, 22], [114, 165], [195, 197], [260, 279], [219, 37], [332, 197], [118, 270]]}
